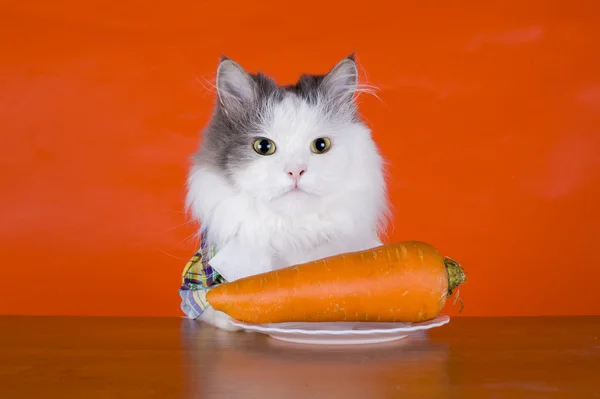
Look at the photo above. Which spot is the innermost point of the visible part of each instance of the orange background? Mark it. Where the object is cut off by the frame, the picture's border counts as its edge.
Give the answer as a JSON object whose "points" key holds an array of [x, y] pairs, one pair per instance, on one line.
{"points": [[489, 115]]}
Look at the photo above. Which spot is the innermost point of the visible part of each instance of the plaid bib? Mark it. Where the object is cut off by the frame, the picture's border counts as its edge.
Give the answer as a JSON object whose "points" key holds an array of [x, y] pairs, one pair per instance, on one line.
{"points": [[197, 278]]}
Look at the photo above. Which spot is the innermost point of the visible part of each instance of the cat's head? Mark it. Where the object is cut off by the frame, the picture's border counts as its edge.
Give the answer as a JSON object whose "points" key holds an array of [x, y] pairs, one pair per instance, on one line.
{"points": [[293, 147]]}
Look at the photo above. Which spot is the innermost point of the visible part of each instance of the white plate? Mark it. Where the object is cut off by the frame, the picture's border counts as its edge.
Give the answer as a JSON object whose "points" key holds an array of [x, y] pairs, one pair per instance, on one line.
{"points": [[342, 333]]}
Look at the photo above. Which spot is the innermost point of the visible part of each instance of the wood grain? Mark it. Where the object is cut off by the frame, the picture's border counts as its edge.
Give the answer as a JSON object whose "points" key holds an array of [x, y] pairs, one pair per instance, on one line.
{"points": [[56, 357]]}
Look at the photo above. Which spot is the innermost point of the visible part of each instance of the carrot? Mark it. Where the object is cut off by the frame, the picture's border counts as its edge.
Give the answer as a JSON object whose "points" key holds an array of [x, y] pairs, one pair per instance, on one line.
{"points": [[405, 281]]}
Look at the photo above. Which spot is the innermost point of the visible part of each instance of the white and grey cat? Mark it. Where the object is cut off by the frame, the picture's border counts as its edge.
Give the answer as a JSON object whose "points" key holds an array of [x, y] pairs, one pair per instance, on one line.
{"points": [[286, 174]]}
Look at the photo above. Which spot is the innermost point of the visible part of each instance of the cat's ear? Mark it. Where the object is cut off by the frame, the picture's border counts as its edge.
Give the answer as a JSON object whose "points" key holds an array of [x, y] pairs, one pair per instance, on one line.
{"points": [[235, 87], [341, 82]]}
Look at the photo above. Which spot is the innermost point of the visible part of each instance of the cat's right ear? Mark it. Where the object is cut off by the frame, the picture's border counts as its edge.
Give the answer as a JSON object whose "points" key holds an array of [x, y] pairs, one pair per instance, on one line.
{"points": [[341, 83], [235, 87]]}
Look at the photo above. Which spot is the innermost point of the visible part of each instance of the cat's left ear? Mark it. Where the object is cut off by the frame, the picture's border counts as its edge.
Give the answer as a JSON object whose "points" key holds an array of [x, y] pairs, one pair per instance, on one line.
{"points": [[341, 82]]}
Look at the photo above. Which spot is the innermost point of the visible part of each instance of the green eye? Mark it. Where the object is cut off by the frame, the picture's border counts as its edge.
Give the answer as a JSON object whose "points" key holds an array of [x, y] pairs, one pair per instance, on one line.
{"points": [[320, 145], [263, 146]]}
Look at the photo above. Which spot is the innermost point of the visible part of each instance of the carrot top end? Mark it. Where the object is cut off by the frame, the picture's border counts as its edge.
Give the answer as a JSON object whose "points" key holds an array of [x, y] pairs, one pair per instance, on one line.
{"points": [[456, 274]]}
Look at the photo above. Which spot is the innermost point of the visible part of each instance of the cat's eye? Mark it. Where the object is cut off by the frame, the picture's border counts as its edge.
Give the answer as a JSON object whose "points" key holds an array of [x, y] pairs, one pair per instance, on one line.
{"points": [[320, 145], [263, 146]]}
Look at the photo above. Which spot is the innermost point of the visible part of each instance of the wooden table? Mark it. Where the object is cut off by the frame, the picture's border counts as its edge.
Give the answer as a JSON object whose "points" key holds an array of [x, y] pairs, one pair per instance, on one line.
{"points": [[53, 357]]}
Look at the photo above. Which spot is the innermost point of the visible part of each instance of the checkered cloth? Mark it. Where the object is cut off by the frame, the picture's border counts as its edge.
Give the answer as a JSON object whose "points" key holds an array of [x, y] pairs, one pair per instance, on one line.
{"points": [[198, 277]]}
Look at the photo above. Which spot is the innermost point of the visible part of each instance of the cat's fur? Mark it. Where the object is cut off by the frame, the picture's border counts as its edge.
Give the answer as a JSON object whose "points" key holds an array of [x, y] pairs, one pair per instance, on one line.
{"points": [[242, 197]]}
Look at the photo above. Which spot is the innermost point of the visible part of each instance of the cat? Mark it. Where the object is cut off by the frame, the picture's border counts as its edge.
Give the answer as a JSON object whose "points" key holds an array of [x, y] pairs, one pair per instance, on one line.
{"points": [[286, 174]]}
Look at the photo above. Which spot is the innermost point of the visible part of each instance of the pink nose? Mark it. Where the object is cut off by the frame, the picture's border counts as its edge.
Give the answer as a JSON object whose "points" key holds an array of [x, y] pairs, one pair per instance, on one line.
{"points": [[296, 173]]}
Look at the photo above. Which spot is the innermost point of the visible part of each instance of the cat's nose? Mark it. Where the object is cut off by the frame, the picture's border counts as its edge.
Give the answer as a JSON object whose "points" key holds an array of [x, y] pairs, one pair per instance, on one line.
{"points": [[297, 172]]}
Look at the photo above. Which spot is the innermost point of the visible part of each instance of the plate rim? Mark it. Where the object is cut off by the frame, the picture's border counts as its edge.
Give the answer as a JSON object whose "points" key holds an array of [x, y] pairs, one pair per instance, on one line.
{"points": [[439, 321]]}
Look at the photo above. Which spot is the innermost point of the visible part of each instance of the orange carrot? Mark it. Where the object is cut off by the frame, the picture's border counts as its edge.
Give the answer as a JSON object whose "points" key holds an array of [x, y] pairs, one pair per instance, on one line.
{"points": [[405, 281]]}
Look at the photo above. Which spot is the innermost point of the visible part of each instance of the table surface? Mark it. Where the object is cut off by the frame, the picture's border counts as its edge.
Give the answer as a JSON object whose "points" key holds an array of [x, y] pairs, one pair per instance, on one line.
{"points": [[62, 357]]}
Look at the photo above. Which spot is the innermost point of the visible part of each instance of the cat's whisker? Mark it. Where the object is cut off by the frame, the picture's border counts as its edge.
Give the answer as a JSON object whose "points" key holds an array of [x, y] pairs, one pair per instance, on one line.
{"points": [[170, 255], [194, 234], [181, 225]]}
